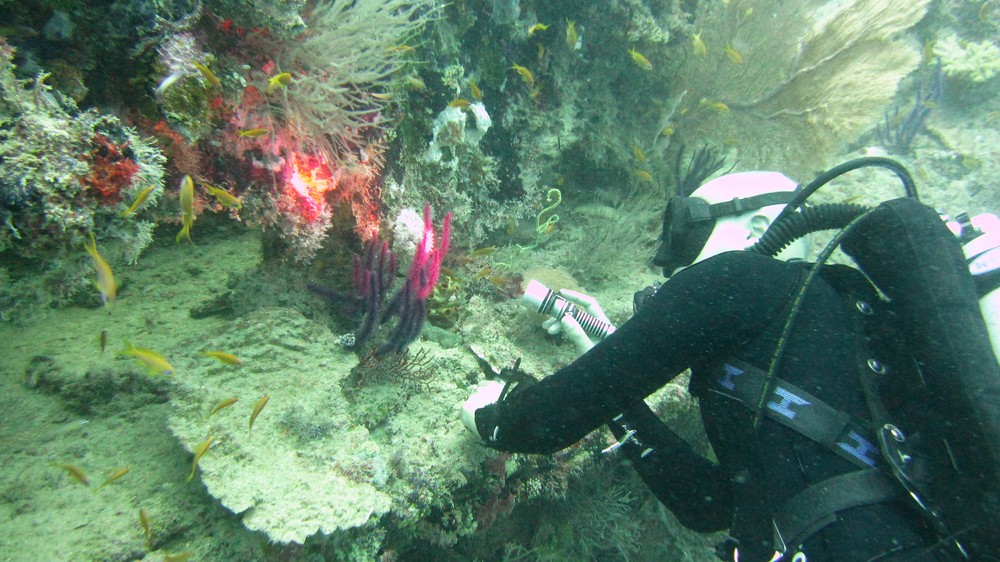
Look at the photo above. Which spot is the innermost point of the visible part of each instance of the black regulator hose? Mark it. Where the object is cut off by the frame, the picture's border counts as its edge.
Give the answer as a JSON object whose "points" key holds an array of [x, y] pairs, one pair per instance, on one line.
{"points": [[784, 231], [791, 225]]}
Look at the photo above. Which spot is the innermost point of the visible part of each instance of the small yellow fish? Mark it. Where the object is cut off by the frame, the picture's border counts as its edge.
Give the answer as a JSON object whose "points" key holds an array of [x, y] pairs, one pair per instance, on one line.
{"points": [[114, 476], [252, 133], [415, 83], [640, 60], [278, 81], [227, 358], [541, 50], [733, 54], [147, 527], [208, 74], [698, 45], [75, 472], [257, 408], [187, 209], [198, 452], [526, 74], [572, 37], [154, 363], [223, 404], [401, 49], [718, 106], [226, 199], [536, 28], [384, 96], [460, 103], [644, 176], [638, 153], [105, 278], [477, 94], [481, 252], [139, 200]]}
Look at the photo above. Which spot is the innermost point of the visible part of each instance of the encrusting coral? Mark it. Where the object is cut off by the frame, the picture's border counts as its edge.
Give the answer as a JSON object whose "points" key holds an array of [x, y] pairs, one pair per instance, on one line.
{"points": [[66, 173]]}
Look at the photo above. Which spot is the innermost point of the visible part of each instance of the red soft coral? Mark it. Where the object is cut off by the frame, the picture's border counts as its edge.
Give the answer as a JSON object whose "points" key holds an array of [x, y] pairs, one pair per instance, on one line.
{"points": [[111, 169]]}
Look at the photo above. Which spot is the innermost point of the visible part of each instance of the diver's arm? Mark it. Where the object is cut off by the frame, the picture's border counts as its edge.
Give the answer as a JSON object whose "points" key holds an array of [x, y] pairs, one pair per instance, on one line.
{"points": [[702, 312], [696, 490]]}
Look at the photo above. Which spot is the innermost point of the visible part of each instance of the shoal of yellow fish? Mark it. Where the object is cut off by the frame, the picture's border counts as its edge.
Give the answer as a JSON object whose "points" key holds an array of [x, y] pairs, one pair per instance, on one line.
{"points": [[187, 209], [154, 363], [105, 278]]}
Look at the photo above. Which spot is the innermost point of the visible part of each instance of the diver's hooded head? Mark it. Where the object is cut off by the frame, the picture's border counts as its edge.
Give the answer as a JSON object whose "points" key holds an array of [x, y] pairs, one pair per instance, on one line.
{"points": [[728, 213]]}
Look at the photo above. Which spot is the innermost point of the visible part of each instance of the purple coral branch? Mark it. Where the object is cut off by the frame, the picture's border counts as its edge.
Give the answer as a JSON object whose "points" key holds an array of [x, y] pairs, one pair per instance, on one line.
{"points": [[373, 277]]}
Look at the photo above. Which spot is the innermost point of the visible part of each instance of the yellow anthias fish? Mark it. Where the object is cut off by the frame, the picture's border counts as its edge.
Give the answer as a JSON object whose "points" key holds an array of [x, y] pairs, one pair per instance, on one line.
{"points": [[105, 278], [477, 94], [699, 47], [198, 453], [227, 358], [278, 81], [208, 74], [223, 404], [147, 527], [252, 133], [526, 74], [154, 363], [257, 408], [459, 103], [114, 476], [572, 37], [733, 54], [640, 60], [536, 28], [226, 199], [139, 200], [187, 209], [638, 153]]}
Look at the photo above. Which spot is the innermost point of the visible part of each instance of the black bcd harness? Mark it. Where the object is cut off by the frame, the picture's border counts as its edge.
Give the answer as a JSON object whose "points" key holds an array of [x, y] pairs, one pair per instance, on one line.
{"points": [[936, 439]]}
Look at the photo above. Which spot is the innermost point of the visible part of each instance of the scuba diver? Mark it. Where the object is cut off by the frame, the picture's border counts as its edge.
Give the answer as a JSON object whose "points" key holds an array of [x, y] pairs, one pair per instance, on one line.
{"points": [[854, 411]]}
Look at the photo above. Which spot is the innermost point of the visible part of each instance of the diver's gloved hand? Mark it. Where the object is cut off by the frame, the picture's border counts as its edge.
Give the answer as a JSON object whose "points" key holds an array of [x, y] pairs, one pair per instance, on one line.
{"points": [[568, 325], [486, 394]]}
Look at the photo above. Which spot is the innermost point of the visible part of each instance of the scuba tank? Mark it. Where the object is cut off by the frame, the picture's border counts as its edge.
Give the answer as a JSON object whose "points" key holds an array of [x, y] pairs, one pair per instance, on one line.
{"points": [[939, 431]]}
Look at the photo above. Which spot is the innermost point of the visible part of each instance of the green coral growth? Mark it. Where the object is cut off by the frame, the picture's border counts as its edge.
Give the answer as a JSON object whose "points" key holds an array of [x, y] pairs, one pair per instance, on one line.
{"points": [[65, 173]]}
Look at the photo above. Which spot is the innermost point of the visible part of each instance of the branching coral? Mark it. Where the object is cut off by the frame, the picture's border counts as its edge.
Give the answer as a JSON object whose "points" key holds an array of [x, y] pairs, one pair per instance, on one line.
{"points": [[350, 51]]}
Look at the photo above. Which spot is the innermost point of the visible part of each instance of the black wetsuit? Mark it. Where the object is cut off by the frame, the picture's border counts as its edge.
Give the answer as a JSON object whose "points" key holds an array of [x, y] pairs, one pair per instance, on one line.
{"points": [[732, 306]]}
